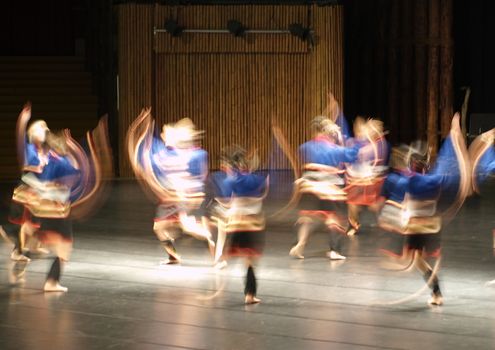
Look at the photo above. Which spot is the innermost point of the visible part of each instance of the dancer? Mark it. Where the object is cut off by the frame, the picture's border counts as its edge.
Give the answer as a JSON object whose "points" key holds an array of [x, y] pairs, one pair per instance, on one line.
{"points": [[410, 212], [57, 175], [239, 212], [322, 186], [365, 176], [218, 192], [173, 168], [33, 158], [482, 155]]}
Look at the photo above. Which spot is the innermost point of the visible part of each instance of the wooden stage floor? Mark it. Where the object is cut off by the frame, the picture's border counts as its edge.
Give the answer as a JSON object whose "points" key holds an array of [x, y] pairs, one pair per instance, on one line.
{"points": [[120, 298]]}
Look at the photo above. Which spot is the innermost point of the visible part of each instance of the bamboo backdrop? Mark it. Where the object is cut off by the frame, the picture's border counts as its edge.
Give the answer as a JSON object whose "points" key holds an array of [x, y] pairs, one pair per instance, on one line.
{"points": [[230, 87], [135, 52]]}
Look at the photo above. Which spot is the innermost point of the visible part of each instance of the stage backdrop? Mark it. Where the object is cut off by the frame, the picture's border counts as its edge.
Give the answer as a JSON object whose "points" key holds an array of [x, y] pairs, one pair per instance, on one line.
{"points": [[230, 87]]}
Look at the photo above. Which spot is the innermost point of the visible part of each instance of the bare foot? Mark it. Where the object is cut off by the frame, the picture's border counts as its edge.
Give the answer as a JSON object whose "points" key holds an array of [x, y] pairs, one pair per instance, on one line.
{"points": [[54, 287], [296, 252], [351, 232], [170, 261], [333, 255], [251, 299], [16, 256], [436, 300], [221, 265], [211, 247], [173, 254]]}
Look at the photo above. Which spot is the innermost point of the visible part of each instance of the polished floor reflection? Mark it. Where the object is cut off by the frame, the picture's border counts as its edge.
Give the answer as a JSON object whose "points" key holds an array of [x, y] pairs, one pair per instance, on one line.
{"points": [[120, 298]]}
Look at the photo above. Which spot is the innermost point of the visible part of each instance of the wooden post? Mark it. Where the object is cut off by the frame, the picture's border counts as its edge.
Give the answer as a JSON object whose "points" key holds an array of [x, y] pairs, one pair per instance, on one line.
{"points": [[446, 66], [433, 34], [420, 34]]}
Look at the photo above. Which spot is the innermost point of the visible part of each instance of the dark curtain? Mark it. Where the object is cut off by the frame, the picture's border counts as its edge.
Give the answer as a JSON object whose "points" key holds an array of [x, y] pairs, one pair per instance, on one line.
{"points": [[399, 57], [475, 53]]}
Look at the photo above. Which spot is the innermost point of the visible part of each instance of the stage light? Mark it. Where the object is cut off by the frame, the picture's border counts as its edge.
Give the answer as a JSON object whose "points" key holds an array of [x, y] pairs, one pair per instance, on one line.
{"points": [[173, 28], [298, 30], [236, 28], [303, 33]]}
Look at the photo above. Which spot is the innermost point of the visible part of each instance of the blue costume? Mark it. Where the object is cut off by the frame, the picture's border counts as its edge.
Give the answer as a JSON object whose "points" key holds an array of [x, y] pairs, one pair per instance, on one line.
{"points": [[321, 185], [486, 166], [181, 173], [411, 211], [411, 216], [32, 202], [483, 164], [321, 190], [240, 196], [178, 179]]}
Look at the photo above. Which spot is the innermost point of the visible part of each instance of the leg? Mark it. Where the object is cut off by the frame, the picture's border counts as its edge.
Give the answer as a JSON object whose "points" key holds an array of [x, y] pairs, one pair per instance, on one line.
{"points": [[335, 246], [173, 257], [52, 281], [15, 228], [15, 231], [33, 246], [221, 237], [426, 270], [251, 285], [207, 227], [57, 234], [22, 239], [353, 211], [163, 232], [297, 251], [191, 226], [17, 272]]}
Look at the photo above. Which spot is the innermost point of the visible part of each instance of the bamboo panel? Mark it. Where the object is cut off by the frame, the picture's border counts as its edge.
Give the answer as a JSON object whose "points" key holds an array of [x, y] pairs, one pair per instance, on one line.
{"points": [[233, 88], [446, 66], [135, 69]]}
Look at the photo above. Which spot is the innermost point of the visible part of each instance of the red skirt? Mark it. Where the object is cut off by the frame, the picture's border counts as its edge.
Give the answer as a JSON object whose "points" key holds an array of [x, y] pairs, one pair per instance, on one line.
{"points": [[364, 194]]}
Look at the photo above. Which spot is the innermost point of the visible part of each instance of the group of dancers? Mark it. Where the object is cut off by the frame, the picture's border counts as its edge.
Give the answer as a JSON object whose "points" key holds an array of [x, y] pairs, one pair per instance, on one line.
{"points": [[338, 175]]}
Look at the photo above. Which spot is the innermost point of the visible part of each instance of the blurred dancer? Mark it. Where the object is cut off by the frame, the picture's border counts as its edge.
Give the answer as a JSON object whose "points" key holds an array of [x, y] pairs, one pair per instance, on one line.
{"points": [[217, 192], [410, 212], [34, 157], [482, 155], [240, 194], [365, 176], [57, 175], [174, 169], [322, 186]]}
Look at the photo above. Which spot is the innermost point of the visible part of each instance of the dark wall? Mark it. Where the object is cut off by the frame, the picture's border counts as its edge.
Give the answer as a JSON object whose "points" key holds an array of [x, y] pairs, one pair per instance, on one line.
{"points": [[38, 28], [474, 64], [66, 28], [365, 76], [389, 49]]}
